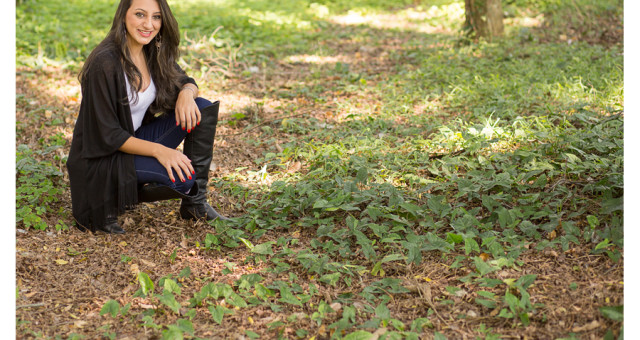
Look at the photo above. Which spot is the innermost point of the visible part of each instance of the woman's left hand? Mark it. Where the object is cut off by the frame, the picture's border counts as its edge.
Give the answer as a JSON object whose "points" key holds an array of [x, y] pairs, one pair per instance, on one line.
{"points": [[187, 112]]}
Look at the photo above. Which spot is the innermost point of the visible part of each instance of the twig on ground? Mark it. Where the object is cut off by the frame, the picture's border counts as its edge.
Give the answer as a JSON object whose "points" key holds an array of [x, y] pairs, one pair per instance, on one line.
{"points": [[31, 305]]}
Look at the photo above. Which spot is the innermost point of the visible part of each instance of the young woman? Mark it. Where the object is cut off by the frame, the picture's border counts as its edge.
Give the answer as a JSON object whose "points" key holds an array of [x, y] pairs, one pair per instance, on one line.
{"points": [[137, 106]]}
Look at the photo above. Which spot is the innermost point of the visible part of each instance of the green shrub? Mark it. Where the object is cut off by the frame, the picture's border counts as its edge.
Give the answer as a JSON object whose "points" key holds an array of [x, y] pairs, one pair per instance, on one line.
{"points": [[38, 184]]}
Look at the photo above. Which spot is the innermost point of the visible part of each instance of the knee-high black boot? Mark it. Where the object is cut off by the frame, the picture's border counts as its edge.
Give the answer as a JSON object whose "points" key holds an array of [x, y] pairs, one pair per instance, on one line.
{"points": [[198, 146]]}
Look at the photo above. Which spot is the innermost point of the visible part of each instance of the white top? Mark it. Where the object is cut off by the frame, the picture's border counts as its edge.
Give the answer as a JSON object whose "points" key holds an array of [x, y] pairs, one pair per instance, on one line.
{"points": [[139, 108]]}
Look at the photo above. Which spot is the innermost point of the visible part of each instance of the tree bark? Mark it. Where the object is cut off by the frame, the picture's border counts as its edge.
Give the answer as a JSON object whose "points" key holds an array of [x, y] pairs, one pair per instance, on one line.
{"points": [[483, 18]]}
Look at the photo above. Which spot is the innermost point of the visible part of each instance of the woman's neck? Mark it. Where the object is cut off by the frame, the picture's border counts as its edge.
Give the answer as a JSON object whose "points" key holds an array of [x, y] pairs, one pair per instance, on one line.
{"points": [[135, 51]]}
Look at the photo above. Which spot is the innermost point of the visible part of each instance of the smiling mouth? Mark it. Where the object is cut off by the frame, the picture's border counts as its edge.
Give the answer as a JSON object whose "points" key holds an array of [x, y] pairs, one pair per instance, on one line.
{"points": [[145, 34]]}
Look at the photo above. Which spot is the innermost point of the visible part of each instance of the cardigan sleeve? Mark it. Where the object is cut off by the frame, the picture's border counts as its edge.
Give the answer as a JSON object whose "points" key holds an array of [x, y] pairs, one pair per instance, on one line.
{"points": [[106, 124], [185, 79]]}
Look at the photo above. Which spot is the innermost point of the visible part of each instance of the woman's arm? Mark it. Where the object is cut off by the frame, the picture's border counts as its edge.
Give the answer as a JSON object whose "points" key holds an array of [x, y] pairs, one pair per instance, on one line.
{"points": [[187, 112], [169, 158]]}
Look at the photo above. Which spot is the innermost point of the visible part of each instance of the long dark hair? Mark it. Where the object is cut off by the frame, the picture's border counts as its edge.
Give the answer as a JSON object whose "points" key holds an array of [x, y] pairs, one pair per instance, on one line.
{"points": [[161, 62]]}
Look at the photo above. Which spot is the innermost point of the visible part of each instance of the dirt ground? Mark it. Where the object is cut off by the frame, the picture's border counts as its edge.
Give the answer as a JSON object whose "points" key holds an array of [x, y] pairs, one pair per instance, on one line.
{"points": [[66, 298], [64, 278]]}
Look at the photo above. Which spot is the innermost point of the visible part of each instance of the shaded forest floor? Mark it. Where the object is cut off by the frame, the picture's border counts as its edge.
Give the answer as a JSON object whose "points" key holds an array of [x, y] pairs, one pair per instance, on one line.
{"points": [[274, 116]]}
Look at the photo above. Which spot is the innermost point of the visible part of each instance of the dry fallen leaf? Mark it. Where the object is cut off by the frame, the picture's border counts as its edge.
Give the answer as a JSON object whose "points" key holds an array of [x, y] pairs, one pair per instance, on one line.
{"points": [[80, 323], [61, 262], [461, 293], [588, 327], [148, 263], [134, 269], [294, 167], [376, 335], [128, 222], [485, 257]]}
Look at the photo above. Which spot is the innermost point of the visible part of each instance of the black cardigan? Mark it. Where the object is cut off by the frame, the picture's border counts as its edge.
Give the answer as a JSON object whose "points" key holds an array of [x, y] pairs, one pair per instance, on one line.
{"points": [[103, 179]]}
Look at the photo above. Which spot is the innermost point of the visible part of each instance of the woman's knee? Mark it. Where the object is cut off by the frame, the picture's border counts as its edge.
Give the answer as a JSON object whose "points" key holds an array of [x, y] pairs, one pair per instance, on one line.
{"points": [[183, 187], [202, 103]]}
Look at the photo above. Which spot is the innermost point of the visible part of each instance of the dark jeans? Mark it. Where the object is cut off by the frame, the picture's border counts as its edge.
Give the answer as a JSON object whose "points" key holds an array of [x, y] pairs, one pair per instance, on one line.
{"points": [[164, 131]]}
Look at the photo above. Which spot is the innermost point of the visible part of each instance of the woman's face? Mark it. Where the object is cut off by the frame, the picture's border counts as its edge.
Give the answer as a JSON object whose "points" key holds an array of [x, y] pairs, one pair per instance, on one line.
{"points": [[143, 22]]}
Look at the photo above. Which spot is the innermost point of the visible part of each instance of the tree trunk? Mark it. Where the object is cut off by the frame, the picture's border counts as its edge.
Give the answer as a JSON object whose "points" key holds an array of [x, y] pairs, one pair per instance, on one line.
{"points": [[483, 18]]}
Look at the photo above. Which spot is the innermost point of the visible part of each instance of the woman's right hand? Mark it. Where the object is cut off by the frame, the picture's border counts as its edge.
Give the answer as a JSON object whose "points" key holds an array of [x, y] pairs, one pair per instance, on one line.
{"points": [[173, 159]]}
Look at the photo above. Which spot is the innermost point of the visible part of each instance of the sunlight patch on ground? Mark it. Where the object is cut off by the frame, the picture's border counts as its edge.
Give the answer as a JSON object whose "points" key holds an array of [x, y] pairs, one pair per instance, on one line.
{"points": [[412, 19], [316, 59], [230, 101], [525, 21], [58, 85]]}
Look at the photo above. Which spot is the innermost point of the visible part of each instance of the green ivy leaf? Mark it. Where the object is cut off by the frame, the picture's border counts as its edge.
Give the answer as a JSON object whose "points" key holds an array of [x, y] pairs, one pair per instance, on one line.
{"points": [[511, 301], [185, 272], [171, 287], [358, 335], [487, 303], [526, 281], [504, 313], [264, 248], [524, 317], [454, 238], [263, 292], [185, 326], [482, 267], [218, 312], [331, 279], [110, 307], [145, 283], [362, 174], [173, 333], [604, 244], [236, 300], [615, 313], [288, 297], [211, 239], [470, 245], [383, 312], [251, 334], [170, 301], [439, 336], [418, 324], [392, 257]]}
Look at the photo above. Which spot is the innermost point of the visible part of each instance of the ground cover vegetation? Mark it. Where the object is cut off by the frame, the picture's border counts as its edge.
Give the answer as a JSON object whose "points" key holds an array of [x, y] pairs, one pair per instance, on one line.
{"points": [[388, 177]]}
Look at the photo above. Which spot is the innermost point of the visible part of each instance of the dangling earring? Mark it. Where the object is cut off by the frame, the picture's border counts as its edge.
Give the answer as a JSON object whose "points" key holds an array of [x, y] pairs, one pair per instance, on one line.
{"points": [[158, 42]]}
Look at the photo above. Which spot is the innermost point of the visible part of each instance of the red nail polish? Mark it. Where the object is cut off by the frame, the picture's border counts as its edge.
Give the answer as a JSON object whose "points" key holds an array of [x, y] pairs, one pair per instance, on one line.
{"points": [[183, 128], [193, 172], [177, 123], [183, 181], [189, 177], [173, 180], [189, 131], [198, 124]]}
